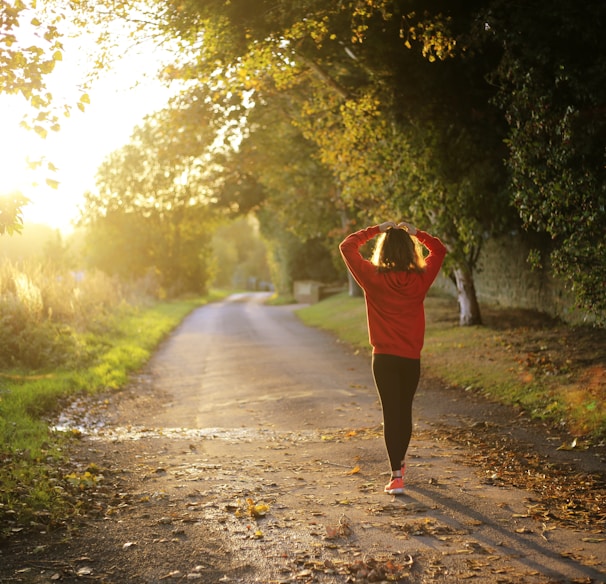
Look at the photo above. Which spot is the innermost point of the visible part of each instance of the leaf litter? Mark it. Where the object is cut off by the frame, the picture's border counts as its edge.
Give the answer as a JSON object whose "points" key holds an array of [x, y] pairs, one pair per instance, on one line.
{"points": [[97, 494], [564, 496]]}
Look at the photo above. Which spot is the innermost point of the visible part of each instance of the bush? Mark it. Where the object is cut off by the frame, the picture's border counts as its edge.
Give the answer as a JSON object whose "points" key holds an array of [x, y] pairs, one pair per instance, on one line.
{"points": [[45, 313]]}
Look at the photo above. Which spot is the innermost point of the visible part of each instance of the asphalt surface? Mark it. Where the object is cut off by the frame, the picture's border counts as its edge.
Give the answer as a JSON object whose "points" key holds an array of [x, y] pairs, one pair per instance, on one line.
{"points": [[250, 450]]}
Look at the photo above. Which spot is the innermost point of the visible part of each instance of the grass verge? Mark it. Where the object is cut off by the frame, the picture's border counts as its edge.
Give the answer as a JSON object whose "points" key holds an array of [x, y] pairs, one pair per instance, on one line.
{"points": [[554, 372], [32, 486]]}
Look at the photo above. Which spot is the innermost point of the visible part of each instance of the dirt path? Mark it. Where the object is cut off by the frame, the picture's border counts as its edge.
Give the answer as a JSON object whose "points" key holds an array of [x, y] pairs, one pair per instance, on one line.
{"points": [[250, 451]]}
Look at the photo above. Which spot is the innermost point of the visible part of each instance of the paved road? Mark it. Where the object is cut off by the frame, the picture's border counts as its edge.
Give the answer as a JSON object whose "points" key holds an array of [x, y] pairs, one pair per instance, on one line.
{"points": [[249, 450], [250, 375], [242, 364]]}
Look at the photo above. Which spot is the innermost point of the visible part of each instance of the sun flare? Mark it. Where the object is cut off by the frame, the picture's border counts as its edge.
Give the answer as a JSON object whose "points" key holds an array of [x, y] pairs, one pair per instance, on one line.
{"points": [[55, 172]]}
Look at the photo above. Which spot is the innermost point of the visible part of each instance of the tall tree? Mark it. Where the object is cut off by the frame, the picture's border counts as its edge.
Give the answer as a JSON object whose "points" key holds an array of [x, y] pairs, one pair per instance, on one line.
{"points": [[151, 211], [395, 97], [276, 174], [417, 136], [551, 78], [379, 112]]}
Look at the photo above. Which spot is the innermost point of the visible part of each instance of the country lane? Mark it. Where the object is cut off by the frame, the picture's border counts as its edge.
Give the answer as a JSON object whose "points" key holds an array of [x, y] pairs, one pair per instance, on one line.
{"points": [[241, 364]]}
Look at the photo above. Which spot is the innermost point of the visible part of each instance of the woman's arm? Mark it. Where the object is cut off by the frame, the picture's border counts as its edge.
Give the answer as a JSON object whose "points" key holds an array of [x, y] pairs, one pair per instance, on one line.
{"points": [[350, 251], [437, 252]]}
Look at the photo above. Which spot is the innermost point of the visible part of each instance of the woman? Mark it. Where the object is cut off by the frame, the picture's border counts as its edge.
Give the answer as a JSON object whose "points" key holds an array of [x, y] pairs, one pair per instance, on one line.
{"points": [[395, 284]]}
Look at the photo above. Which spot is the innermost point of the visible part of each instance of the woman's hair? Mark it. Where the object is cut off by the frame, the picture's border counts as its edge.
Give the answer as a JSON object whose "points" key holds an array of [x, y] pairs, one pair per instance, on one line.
{"points": [[396, 251]]}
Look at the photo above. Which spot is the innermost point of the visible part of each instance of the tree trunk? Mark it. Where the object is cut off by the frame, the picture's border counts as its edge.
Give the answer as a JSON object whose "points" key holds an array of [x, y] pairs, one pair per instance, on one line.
{"points": [[354, 288], [469, 309]]}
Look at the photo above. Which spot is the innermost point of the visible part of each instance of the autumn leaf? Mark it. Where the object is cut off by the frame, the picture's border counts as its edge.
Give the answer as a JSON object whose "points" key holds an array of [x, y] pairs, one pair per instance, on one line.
{"points": [[568, 447], [82, 480], [257, 509]]}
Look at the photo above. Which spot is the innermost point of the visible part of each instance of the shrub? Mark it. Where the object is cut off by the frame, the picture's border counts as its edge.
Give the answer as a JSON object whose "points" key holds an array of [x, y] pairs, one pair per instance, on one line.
{"points": [[46, 311]]}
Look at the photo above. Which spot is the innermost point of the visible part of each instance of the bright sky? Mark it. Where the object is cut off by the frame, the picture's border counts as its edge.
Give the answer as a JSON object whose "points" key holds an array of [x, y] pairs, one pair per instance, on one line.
{"points": [[118, 102]]}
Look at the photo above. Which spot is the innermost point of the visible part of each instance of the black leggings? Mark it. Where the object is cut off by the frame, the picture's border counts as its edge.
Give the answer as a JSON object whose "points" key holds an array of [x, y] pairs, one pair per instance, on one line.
{"points": [[396, 379]]}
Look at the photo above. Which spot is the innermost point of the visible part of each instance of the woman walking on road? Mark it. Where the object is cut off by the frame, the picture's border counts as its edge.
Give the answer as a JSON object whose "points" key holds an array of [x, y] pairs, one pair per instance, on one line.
{"points": [[395, 284]]}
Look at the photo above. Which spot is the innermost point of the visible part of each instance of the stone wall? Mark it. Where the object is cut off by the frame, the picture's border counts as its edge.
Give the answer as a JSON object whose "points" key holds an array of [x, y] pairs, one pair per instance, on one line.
{"points": [[504, 278]]}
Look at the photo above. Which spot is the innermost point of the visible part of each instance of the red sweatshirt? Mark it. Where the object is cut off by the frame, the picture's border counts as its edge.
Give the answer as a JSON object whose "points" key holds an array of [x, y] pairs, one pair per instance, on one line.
{"points": [[394, 300]]}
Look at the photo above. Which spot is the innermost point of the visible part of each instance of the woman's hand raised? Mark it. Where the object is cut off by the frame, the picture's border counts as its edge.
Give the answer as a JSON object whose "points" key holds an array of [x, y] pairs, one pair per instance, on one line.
{"points": [[383, 227], [412, 230]]}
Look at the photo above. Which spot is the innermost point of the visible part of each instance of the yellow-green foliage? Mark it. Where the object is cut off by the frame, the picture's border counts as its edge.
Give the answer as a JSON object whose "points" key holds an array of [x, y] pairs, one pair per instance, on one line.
{"points": [[45, 292], [45, 310]]}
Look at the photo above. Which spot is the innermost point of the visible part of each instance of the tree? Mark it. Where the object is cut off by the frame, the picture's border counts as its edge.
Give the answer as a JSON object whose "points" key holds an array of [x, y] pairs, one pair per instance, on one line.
{"points": [[30, 47], [151, 211], [240, 254], [275, 173], [428, 148], [551, 78], [373, 132], [396, 100]]}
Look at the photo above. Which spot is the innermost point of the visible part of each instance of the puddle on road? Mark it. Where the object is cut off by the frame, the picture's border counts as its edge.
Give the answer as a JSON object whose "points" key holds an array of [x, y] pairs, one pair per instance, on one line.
{"points": [[101, 432], [88, 418]]}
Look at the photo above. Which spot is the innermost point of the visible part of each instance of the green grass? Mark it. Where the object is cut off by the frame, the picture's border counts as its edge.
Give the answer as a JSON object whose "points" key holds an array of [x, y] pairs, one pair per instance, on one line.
{"points": [[341, 314], [492, 360], [280, 299], [30, 452]]}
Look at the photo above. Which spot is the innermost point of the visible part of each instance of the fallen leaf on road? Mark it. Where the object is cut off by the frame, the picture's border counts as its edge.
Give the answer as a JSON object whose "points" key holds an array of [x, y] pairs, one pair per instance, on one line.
{"points": [[257, 509], [173, 574], [343, 529], [570, 446]]}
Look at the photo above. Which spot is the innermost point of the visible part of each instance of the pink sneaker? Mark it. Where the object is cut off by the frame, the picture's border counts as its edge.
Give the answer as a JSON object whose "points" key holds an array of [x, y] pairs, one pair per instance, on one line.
{"points": [[395, 486]]}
